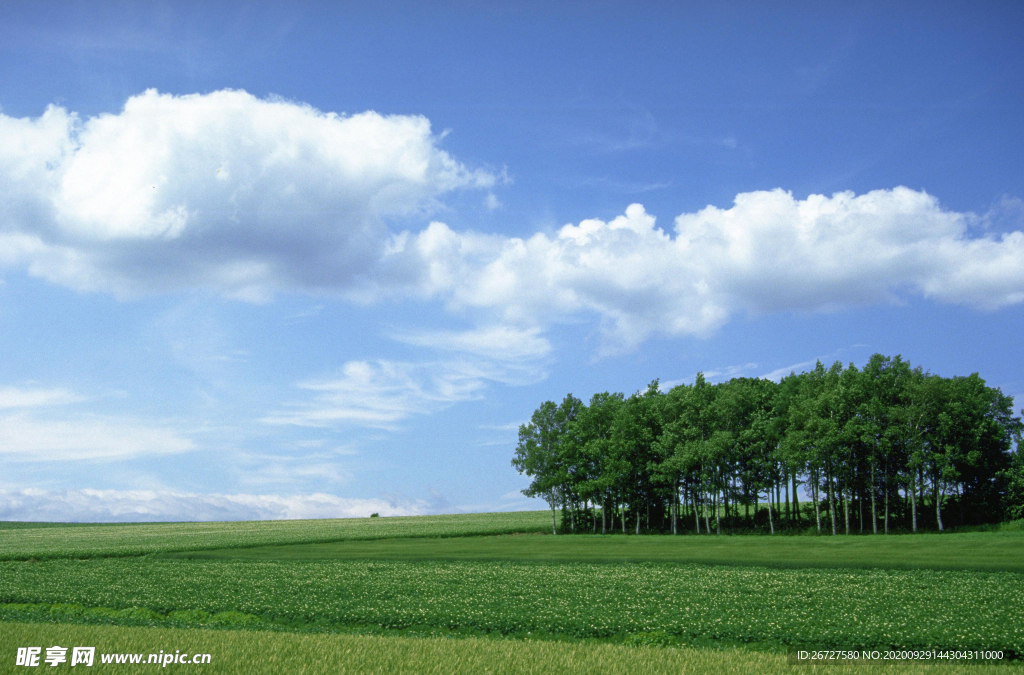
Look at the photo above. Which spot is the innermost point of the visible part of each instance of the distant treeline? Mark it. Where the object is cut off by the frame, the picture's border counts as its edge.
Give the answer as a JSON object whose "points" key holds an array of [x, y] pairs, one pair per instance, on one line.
{"points": [[883, 448]]}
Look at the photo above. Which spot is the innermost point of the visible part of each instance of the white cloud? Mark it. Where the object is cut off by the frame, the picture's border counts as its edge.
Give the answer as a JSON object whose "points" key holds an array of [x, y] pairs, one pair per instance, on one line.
{"points": [[27, 438], [511, 426], [19, 397], [382, 393], [722, 374], [222, 191], [504, 343], [779, 373], [244, 196], [728, 372], [769, 252], [147, 505]]}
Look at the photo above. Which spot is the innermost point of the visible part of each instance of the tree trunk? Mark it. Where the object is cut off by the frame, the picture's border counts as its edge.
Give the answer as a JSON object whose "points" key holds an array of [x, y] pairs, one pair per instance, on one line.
{"points": [[718, 520], [604, 517], [831, 500], [885, 480], [778, 496], [693, 502], [874, 513], [920, 485], [814, 496], [757, 504], [846, 504], [913, 502], [554, 530], [796, 499], [675, 505], [706, 508], [623, 518], [771, 523], [785, 481], [938, 503], [860, 510], [725, 495]]}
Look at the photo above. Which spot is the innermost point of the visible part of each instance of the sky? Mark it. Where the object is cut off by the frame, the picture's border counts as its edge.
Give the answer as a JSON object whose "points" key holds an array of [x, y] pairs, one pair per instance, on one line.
{"points": [[300, 260]]}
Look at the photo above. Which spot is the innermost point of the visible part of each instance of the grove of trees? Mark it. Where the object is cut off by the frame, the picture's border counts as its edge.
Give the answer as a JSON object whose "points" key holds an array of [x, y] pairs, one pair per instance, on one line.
{"points": [[836, 450]]}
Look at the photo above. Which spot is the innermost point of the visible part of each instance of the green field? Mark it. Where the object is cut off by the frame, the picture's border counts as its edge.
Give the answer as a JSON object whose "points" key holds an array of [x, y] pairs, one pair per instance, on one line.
{"points": [[302, 654], [982, 551], [23, 543], [406, 587], [693, 604]]}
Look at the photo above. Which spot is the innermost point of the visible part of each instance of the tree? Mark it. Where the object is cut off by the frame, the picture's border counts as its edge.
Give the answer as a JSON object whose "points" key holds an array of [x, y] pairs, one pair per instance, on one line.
{"points": [[890, 434], [542, 453]]}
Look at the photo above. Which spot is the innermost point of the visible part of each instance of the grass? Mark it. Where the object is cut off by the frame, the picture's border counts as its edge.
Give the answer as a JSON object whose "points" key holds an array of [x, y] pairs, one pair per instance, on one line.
{"points": [[23, 543], [33, 525], [692, 604], [305, 654], [395, 593], [982, 551]]}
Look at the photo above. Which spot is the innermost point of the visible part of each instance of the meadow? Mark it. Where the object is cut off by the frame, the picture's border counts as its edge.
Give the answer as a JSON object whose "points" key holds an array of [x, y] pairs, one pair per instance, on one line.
{"points": [[29, 540], [658, 603], [981, 551]]}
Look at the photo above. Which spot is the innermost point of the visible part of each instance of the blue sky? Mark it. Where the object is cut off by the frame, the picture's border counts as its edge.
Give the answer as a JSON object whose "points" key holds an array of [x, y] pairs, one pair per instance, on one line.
{"points": [[305, 260]]}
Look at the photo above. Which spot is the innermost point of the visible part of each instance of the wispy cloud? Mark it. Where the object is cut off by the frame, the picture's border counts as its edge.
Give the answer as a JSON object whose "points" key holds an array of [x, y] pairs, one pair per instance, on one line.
{"points": [[839, 354], [511, 426], [83, 437], [34, 397], [722, 374], [728, 372], [383, 393], [498, 342], [782, 372]]}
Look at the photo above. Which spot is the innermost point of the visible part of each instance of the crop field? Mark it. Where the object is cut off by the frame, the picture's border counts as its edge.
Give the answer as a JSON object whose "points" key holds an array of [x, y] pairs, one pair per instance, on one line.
{"points": [[23, 542], [326, 654], [656, 603], [690, 603], [982, 551]]}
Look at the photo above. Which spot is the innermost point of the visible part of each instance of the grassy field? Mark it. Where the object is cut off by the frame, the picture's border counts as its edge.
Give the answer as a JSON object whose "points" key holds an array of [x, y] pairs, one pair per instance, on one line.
{"points": [[23, 543], [297, 654], [982, 551], [460, 594], [691, 604]]}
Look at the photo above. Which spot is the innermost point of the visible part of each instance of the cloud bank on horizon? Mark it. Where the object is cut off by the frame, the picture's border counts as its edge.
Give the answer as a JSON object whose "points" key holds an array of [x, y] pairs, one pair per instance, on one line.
{"points": [[248, 198], [113, 506]]}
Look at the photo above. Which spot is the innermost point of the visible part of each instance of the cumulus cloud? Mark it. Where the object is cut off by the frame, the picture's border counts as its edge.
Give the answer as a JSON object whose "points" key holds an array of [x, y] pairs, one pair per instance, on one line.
{"points": [[244, 196], [222, 191], [25, 437], [769, 252], [147, 505]]}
